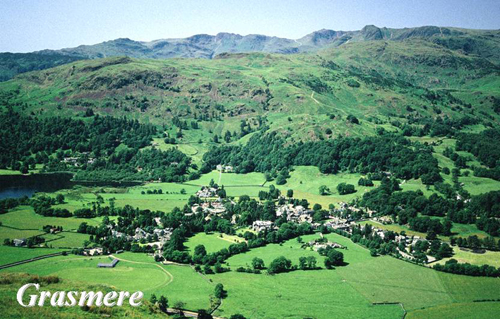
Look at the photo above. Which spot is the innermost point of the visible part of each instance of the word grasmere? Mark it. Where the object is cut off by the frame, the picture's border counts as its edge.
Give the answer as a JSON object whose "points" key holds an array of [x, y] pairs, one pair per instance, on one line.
{"points": [[73, 298]]}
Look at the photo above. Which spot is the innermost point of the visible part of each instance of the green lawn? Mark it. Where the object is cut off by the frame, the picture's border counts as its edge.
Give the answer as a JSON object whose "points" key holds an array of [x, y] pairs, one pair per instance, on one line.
{"points": [[306, 180], [23, 217], [491, 258], [212, 242], [66, 239]]}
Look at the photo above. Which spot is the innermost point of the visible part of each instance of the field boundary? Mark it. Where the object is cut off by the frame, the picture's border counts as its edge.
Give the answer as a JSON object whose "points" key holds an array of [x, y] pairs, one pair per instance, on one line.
{"points": [[392, 303], [17, 263]]}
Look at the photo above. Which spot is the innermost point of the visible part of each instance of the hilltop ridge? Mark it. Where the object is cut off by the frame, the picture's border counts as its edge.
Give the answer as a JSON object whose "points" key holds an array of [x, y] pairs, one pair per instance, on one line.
{"points": [[483, 43]]}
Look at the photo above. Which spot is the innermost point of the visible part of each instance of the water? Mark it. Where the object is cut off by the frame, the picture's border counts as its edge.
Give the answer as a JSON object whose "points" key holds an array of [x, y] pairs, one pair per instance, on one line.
{"points": [[16, 192], [17, 186]]}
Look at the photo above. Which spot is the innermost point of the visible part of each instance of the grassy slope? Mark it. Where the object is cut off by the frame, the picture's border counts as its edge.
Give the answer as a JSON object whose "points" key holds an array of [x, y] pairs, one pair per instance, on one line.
{"points": [[382, 279], [302, 87], [212, 242], [489, 257], [9, 308], [347, 291], [13, 254], [179, 283]]}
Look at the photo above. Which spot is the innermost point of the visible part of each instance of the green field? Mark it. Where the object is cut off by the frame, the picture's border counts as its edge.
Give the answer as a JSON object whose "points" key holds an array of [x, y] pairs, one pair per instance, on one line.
{"points": [[179, 283], [347, 291], [9, 308], [24, 217], [300, 294], [462, 230], [212, 242], [12, 254], [22, 222], [381, 279], [491, 258], [306, 180], [479, 310]]}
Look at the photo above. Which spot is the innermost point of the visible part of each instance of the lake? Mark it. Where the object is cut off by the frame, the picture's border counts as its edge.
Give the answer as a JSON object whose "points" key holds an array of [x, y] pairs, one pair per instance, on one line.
{"points": [[16, 186], [15, 192]]}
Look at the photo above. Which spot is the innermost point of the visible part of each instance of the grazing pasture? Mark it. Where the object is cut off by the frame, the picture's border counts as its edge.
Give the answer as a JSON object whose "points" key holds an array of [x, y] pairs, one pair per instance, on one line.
{"points": [[491, 258], [212, 242], [12, 254]]}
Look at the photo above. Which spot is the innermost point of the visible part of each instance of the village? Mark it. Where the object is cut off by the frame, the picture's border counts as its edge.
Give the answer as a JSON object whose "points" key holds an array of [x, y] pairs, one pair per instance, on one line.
{"points": [[211, 202]]}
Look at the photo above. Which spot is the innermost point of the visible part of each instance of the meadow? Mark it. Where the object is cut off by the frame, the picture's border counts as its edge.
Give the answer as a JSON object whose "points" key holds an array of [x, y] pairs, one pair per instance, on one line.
{"points": [[24, 217], [376, 279], [349, 291], [491, 258], [212, 242], [12, 254], [9, 308], [134, 272]]}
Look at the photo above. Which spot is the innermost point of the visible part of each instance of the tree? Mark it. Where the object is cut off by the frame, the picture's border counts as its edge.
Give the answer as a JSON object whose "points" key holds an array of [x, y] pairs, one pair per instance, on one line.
{"points": [[220, 292], [203, 314], [345, 189], [303, 263], [199, 253], [60, 198], [89, 112], [163, 303], [444, 251], [365, 182], [351, 118], [218, 268], [324, 190], [237, 316], [334, 258], [289, 193], [279, 265], [153, 299], [24, 169], [317, 207], [227, 137], [311, 262], [257, 263], [179, 305]]}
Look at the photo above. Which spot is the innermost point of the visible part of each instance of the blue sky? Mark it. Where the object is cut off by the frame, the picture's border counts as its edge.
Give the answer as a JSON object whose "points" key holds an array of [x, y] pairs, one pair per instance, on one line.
{"points": [[29, 25]]}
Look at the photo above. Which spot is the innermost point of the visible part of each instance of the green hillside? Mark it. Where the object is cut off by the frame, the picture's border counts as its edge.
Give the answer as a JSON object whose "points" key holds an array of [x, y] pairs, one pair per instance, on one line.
{"points": [[384, 84]]}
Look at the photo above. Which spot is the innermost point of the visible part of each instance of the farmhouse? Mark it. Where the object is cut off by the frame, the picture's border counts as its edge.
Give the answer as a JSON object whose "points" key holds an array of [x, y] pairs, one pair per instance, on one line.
{"points": [[206, 192], [296, 214], [341, 224], [318, 244], [19, 242], [260, 225], [118, 234], [140, 234], [93, 251], [211, 208], [225, 168], [108, 265]]}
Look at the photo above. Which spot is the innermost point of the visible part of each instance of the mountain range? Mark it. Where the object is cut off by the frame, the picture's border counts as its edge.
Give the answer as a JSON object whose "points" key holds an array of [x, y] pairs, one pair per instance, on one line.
{"points": [[483, 43]]}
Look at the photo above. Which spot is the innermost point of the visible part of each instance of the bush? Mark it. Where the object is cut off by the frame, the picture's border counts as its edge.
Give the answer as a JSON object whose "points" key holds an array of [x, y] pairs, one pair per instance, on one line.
{"points": [[345, 189]]}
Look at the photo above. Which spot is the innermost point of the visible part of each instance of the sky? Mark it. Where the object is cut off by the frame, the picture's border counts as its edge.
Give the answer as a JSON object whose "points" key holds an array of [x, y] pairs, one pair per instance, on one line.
{"points": [[30, 25]]}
